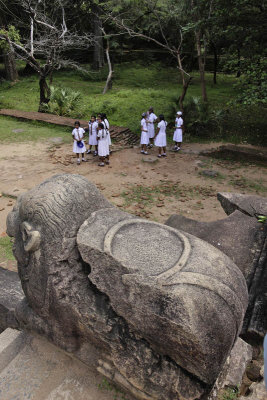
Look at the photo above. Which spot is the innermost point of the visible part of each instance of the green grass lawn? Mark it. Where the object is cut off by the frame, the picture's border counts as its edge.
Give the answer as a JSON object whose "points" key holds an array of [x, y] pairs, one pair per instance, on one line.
{"points": [[6, 248], [32, 131], [135, 88]]}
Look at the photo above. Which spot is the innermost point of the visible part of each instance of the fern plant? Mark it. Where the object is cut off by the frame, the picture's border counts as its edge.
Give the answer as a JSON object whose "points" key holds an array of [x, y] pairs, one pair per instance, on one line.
{"points": [[63, 101]]}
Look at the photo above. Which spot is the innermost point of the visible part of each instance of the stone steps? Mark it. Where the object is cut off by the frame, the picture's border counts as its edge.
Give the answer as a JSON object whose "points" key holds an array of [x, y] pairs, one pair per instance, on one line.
{"points": [[31, 368]]}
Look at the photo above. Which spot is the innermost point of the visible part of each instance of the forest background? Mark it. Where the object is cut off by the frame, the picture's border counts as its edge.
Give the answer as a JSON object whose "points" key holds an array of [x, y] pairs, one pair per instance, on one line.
{"points": [[77, 58]]}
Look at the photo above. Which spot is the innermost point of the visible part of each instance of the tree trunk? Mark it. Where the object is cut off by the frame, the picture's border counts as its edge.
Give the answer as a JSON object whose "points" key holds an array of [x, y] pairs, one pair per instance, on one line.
{"points": [[201, 65], [10, 66], [182, 97], [98, 57], [238, 74], [186, 82], [108, 85], [44, 93], [215, 63]]}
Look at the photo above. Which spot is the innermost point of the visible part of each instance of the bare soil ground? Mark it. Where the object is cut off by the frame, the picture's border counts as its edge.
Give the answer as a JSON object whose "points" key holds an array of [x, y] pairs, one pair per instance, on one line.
{"points": [[172, 185]]}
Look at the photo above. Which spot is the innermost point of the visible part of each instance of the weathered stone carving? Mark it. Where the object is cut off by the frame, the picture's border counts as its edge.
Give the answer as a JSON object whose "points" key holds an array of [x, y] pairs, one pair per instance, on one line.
{"points": [[242, 238], [161, 308]]}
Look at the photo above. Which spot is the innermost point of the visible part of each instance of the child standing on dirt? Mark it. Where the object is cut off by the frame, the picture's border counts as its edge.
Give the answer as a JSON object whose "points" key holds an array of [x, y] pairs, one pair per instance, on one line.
{"points": [[178, 133], [78, 143], [144, 134], [103, 144], [93, 125], [160, 138], [151, 129], [106, 126]]}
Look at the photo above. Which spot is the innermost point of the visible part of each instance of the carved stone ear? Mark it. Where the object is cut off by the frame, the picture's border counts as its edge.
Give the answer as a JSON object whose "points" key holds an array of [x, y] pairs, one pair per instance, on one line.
{"points": [[31, 238]]}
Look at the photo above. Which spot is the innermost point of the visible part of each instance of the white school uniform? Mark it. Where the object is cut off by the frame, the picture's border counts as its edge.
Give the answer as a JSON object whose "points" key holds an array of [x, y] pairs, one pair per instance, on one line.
{"points": [[161, 140], [151, 130], [78, 135], [93, 133], [144, 132], [106, 124], [103, 143], [178, 133]]}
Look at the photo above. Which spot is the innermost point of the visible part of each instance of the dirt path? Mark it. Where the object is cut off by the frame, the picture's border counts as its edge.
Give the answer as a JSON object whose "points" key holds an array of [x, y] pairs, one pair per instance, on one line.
{"points": [[154, 190]]}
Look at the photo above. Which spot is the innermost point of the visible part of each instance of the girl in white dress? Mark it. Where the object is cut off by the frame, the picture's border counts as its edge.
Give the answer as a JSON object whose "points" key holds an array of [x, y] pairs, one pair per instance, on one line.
{"points": [[178, 133], [78, 143], [160, 138], [144, 135], [93, 125], [151, 129], [106, 125], [103, 145]]}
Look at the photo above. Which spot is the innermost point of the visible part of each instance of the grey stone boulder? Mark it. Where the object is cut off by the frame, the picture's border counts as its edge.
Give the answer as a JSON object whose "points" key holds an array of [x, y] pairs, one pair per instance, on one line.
{"points": [[238, 228], [257, 392], [66, 307], [233, 369], [186, 298], [244, 240], [245, 203], [210, 173], [154, 309]]}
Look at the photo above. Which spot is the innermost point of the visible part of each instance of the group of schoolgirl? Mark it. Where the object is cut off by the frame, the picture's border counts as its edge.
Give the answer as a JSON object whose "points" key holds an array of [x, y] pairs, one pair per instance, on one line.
{"points": [[148, 134], [99, 137]]}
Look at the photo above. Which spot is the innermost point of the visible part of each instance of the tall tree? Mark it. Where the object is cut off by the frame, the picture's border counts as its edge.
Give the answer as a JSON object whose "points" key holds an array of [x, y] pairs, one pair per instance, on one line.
{"points": [[48, 37], [157, 22], [98, 58]]}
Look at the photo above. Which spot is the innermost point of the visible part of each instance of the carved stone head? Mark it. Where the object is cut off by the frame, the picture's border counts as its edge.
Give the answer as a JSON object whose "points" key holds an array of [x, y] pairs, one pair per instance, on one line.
{"points": [[44, 223]]}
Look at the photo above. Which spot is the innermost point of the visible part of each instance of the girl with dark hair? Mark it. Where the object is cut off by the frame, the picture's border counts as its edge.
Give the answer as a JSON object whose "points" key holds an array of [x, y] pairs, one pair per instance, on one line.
{"points": [[144, 134], [93, 125], [151, 129], [78, 143], [160, 138], [106, 125], [103, 146]]}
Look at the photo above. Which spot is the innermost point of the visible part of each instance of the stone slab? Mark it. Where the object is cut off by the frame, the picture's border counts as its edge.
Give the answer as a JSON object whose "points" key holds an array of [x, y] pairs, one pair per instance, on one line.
{"points": [[258, 392], [221, 234], [11, 343], [234, 368], [10, 295], [247, 204], [40, 371]]}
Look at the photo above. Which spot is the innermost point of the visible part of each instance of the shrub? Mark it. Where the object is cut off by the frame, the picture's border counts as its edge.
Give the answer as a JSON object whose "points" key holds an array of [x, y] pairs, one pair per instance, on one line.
{"points": [[201, 119], [63, 101]]}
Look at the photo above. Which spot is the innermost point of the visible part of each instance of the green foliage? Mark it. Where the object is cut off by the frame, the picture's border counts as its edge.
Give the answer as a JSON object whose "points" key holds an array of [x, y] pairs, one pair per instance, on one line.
{"points": [[64, 102], [262, 218], [137, 87], [230, 394], [253, 83], [13, 35], [201, 119], [117, 393], [6, 248]]}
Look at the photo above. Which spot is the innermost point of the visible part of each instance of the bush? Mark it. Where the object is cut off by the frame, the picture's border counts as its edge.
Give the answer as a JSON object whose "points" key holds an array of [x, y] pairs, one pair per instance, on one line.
{"points": [[63, 102], [201, 120]]}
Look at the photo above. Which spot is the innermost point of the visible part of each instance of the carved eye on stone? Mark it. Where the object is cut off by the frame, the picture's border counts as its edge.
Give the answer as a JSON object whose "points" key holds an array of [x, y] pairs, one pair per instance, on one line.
{"points": [[31, 238]]}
